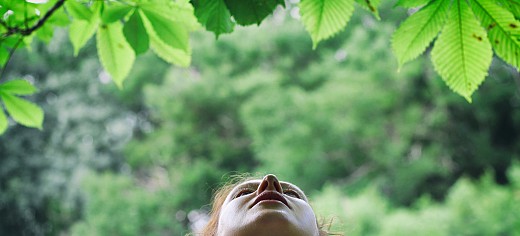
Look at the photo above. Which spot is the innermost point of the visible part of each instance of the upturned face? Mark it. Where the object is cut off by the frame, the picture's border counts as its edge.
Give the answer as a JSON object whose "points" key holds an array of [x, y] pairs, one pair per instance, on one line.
{"points": [[267, 207]]}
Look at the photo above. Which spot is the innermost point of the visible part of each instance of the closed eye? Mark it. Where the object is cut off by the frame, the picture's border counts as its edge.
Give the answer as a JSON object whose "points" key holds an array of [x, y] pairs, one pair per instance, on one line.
{"points": [[244, 192], [292, 193]]}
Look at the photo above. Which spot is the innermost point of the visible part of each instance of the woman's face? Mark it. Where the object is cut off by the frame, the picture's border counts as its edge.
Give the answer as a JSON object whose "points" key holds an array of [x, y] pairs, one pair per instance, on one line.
{"points": [[266, 207]]}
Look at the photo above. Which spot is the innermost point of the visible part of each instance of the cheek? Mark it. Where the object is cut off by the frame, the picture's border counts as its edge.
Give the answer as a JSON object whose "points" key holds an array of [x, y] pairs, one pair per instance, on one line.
{"points": [[306, 218], [232, 214]]}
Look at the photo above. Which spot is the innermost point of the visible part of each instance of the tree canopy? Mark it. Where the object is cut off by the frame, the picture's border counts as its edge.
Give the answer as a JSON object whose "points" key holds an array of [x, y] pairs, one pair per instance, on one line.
{"points": [[466, 34]]}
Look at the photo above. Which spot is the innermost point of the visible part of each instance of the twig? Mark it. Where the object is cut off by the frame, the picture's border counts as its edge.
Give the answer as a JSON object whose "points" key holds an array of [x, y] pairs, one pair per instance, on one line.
{"points": [[28, 31]]}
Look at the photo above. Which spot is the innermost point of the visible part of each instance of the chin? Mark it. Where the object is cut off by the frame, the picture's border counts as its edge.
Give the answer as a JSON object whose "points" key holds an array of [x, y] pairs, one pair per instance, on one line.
{"points": [[273, 222]]}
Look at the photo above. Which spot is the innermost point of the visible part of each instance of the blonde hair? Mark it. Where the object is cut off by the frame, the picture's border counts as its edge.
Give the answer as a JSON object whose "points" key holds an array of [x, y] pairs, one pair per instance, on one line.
{"points": [[220, 196]]}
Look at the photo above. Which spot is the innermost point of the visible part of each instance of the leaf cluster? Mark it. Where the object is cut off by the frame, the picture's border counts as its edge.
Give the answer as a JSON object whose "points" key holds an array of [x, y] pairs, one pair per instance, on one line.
{"points": [[465, 32]]}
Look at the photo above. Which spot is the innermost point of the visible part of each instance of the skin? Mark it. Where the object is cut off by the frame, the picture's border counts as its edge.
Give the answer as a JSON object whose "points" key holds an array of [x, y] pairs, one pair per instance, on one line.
{"points": [[241, 215]]}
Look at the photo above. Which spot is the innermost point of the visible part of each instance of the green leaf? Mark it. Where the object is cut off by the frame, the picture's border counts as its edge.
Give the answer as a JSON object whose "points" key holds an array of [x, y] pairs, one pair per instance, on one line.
{"points": [[115, 54], [180, 11], [170, 32], [135, 34], [370, 5], [59, 18], [45, 33], [4, 55], [23, 111], [248, 12], [324, 18], [4, 123], [416, 33], [503, 29], [165, 51], [411, 3], [513, 6], [462, 54], [18, 87], [78, 10], [114, 12], [80, 32], [215, 16]]}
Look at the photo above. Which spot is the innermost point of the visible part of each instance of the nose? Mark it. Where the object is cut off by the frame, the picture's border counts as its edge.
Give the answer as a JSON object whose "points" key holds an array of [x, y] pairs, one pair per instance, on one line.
{"points": [[269, 183]]}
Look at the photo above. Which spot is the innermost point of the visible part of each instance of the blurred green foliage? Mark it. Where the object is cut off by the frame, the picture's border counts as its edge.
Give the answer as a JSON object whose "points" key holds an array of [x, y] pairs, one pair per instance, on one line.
{"points": [[472, 207], [396, 151]]}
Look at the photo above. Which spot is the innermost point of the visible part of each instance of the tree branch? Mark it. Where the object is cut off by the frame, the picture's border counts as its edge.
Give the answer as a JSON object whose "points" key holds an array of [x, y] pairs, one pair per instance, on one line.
{"points": [[29, 31]]}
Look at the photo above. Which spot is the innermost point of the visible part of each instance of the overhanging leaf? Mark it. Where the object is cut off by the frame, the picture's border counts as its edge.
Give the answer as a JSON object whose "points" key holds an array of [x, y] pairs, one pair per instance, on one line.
{"points": [[180, 12], [45, 33], [115, 54], [513, 6], [3, 121], [78, 10], [462, 53], [415, 34], [412, 3], [22, 111], [165, 51], [80, 31], [170, 32], [503, 30], [4, 55], [215, 16], [18, 87], [370, 5], [135, 34], [324, 18], [114, 12], [248, 12]]}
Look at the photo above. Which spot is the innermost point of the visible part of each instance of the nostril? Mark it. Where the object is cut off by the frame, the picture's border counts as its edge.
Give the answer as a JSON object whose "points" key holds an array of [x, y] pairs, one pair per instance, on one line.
{"points": [[270, 182]]}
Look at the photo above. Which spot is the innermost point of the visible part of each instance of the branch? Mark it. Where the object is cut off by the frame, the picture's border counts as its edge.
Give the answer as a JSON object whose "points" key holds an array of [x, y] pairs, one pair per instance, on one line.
{"points": [[29, 31]]}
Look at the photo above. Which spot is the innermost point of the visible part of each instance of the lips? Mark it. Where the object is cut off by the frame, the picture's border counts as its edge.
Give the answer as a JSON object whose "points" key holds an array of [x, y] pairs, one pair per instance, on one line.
{"points": [[270, 195]]}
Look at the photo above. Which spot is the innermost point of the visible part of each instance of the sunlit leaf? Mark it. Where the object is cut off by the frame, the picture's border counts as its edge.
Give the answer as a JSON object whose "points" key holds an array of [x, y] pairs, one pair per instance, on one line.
{"points": [[115, 54], [170, 32], [59, 18], [503, 29], [78, 10], [3, 121], [135, 34], [180, 12], [324, 18], [45, 33], [248, 12], [18, 87], [462, 54], [81, 31], [4, 55], [513, 6], [215, 16], [412, 3], [370, 5], [416, 33], [23, 111], [114, 12], [165, 51]]}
